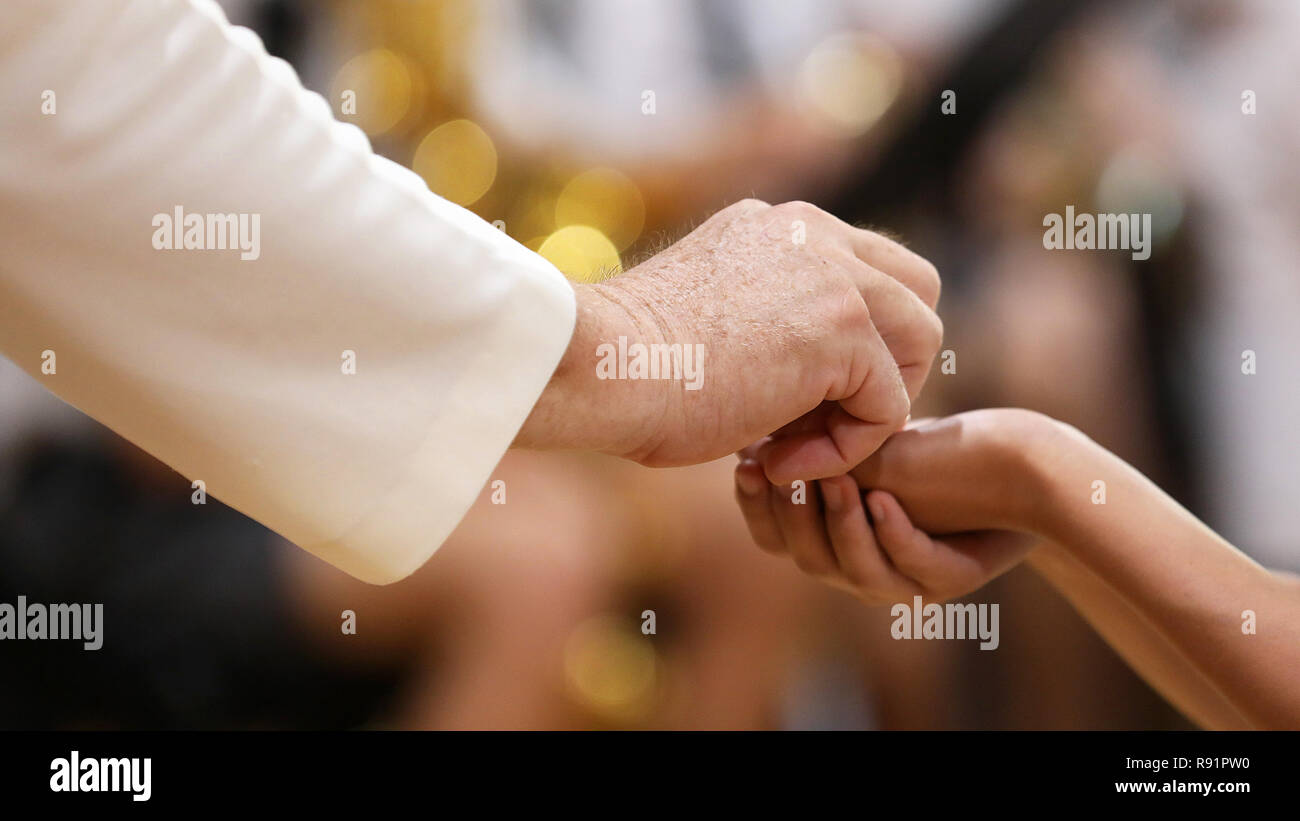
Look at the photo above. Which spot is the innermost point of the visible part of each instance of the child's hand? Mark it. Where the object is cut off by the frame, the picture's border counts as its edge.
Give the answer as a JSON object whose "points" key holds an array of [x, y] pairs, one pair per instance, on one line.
{"points": [[980, 470], [956, 475]]}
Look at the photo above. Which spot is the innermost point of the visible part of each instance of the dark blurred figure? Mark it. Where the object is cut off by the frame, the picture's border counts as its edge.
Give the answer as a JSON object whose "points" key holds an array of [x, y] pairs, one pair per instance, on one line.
{"points": [[196, 628]]}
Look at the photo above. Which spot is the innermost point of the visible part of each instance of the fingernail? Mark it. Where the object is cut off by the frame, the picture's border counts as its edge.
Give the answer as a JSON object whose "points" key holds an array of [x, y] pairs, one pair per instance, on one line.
{"points": [[832, 495], [751, 483]]}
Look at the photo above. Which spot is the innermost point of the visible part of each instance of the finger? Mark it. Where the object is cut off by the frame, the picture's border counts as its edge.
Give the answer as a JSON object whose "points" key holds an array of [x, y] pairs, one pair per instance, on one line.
{"points": [[913, 424], [909, 549], [874, 405], [908, 267], [862, 563], [755, 500], [951, 566], [975, 558], [751, 451], [909, 328], [803, 530], [894, 464]]}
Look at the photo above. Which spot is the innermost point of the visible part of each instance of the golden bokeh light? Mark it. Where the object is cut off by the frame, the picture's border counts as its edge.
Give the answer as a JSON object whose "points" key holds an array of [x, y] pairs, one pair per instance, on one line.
{"points": [[606, 200], [458, 161], [849, 81], [611, 669], [581, 252], [378, 83], [531, 213]]}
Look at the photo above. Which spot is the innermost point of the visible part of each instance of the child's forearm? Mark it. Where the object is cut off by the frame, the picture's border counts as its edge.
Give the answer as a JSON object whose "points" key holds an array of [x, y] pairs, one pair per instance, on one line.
{"points": [[1142, 646], [1191, 587]]}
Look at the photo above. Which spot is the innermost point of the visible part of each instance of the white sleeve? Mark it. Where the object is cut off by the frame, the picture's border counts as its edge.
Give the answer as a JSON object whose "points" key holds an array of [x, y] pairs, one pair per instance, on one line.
{"points": [[231, 365]]}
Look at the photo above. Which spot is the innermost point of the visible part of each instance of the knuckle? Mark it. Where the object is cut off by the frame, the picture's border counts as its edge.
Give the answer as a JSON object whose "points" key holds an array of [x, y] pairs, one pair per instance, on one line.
{"points": [[931, 282], [740, 210], [747, 205], [922, 335], [813, 565], [853, 316], [933, 333], [797, 208], [908, 559], [860, 578]]}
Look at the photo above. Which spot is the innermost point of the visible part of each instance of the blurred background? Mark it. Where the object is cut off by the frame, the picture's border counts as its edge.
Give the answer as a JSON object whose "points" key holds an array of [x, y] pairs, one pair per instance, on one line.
{"points": [[596, 132]]}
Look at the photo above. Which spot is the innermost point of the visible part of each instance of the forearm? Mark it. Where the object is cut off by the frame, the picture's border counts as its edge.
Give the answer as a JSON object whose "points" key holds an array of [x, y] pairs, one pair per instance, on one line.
{"points": [[1136, 640], [580, 411], [352, 381], [1188, 584]]}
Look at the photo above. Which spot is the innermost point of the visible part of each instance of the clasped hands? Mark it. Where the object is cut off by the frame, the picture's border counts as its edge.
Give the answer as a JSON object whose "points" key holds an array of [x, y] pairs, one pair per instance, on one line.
{"points": [[817, 336]]}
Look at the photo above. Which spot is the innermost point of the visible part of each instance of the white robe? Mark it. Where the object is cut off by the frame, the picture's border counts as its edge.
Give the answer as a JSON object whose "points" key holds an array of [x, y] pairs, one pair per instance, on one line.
{"points": [[232, 370]]}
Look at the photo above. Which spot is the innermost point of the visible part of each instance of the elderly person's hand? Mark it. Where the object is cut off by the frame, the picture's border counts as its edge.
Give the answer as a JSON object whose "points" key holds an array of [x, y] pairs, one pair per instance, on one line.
{"points": [[811, 331]]}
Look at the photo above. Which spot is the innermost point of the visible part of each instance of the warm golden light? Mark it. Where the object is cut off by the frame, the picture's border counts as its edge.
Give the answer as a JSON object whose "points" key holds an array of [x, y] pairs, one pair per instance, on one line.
{"points": [[582, 253], [531, 213], [606, 200], [611, 669], [848, 81], [372, 90], [457, 160]]}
